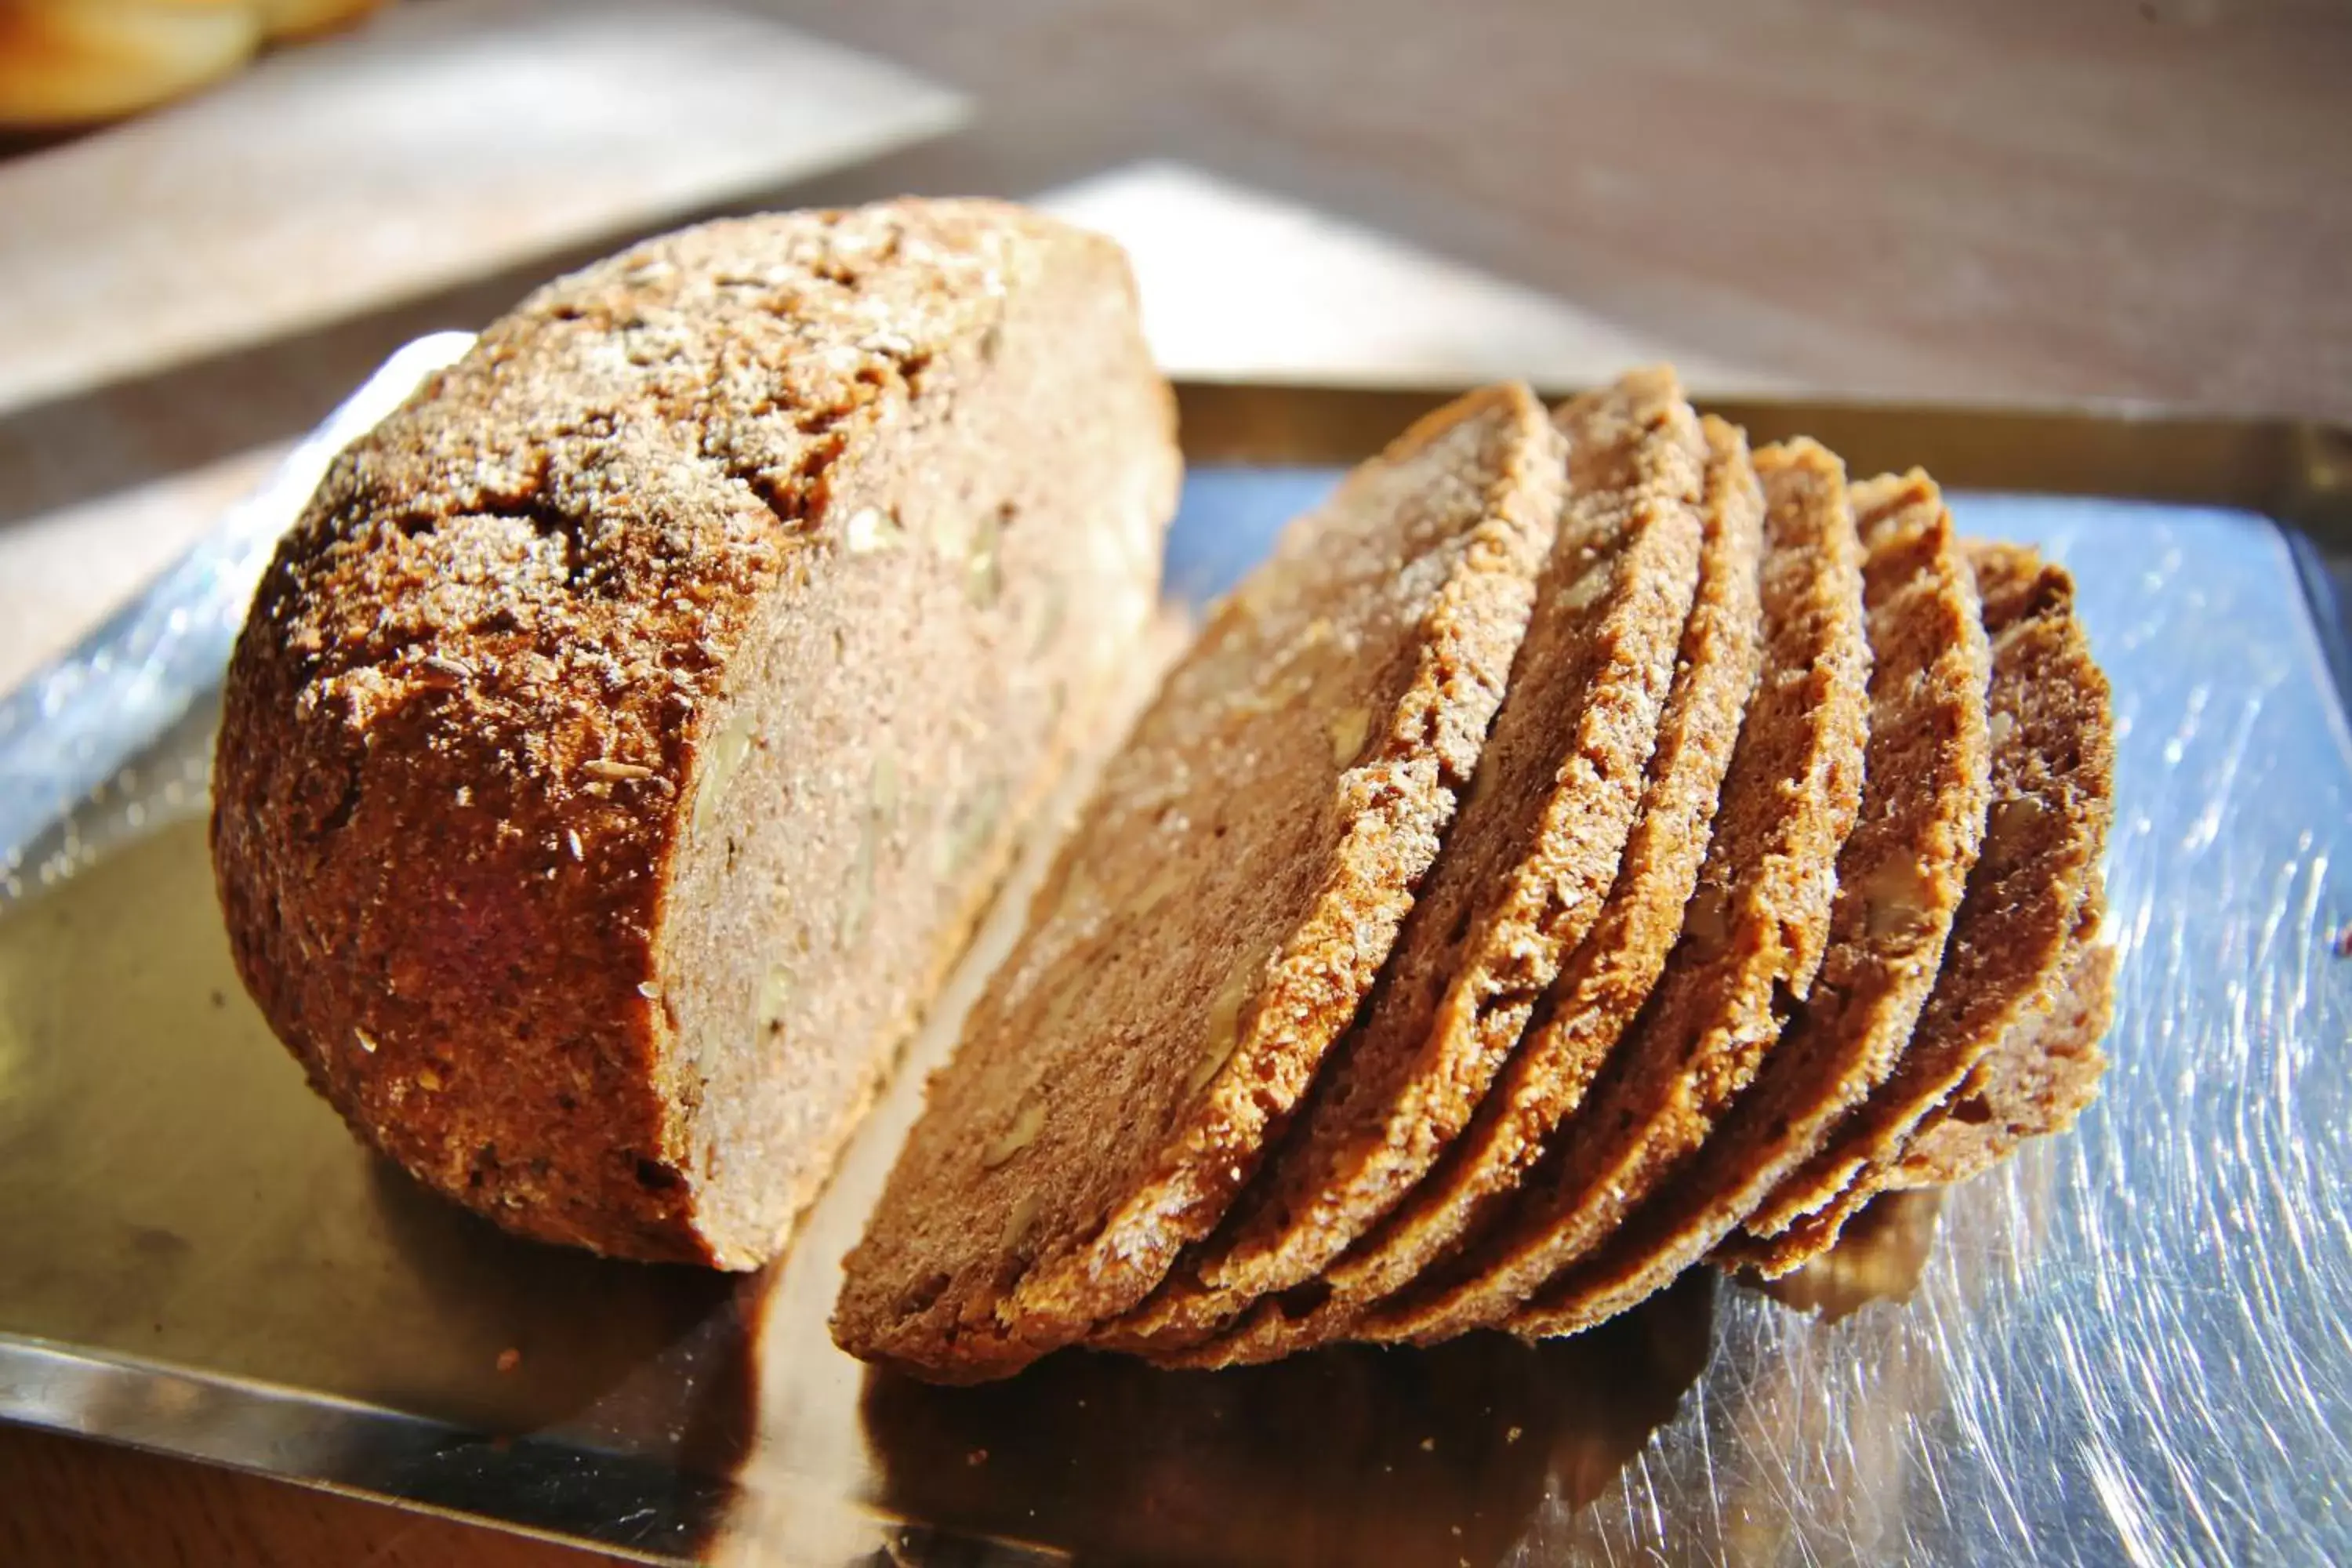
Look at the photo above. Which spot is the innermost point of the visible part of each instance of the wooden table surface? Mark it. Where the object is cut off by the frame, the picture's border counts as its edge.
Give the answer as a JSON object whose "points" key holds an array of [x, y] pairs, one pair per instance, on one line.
{"points": [[2005, 201]]}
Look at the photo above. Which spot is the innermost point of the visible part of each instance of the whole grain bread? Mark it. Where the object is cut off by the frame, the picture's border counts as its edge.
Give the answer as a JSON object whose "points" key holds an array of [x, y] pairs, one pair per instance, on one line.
{"points": [[1608, 973], [1219, 912], [2041, 1076], [1751, 938], [2034, 885], [1530, 859], [621, 743], [1900, 876], [1601, 986]]}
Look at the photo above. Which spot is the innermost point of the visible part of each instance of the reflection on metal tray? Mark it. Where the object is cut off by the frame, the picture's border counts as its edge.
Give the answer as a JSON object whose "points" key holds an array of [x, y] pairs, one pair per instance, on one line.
{"points": [[2129, 1344]]}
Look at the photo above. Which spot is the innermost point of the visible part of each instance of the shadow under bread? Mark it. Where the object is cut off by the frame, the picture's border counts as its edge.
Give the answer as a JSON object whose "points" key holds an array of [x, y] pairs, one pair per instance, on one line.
{"points": [[1354, 1454]]}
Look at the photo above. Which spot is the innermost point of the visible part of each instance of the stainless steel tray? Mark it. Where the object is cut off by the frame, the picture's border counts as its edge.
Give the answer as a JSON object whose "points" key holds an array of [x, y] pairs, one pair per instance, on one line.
{"points": [[2133, 1343]]}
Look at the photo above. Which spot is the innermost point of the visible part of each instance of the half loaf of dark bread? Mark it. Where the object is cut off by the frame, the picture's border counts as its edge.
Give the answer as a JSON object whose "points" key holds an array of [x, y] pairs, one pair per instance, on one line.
{"points": [[623, 742]]}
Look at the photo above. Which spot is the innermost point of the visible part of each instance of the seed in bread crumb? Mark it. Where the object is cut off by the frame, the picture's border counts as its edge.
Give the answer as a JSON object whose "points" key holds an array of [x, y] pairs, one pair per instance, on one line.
{"points": [[453, 671], [857, 904], [1281, 694], [1586, 591], [870, 529], [1028, 1120], [365, 1041], [650, 991], [428, 1080], [1706, 920], [1225, 1026], [984, 578], [572, 841], [608, 772], [775, 991], [1020, 1221], [726, 753], [1348, 730], [1896, 900]]}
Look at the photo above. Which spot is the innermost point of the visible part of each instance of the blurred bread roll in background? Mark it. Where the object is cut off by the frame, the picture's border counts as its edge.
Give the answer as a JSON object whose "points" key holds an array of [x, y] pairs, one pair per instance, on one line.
{"points": [[285, 20], [76, 62]]}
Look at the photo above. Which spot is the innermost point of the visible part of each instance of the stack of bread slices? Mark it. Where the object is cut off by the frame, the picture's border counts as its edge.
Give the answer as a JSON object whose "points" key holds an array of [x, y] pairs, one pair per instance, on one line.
{"points": [[1587, 848]]}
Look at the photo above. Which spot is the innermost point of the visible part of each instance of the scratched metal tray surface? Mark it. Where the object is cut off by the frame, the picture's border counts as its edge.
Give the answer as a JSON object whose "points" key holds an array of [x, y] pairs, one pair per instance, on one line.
{"points": [[2132, 1344]]}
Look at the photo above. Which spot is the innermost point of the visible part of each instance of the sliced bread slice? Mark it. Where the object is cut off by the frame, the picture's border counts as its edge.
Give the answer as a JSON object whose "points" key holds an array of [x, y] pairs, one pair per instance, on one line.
{"points": [[1530, 859], [2044, 1073], [1900, 876], [1220, 911], [1752, 935], [2033, 883]]}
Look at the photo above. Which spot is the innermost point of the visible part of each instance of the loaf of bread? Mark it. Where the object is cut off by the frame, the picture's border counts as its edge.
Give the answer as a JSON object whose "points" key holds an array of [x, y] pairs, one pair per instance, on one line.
{"points": [[70, 62], [623, 742]]}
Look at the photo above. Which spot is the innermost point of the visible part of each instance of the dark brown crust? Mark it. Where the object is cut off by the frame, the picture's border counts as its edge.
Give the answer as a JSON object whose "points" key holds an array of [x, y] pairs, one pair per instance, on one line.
{"points": [[1282, 800], [2053, 779], [1901, 874], [1788, 803], [482, 679], [1600, 985], [2044, 1073], [1532, 856]]}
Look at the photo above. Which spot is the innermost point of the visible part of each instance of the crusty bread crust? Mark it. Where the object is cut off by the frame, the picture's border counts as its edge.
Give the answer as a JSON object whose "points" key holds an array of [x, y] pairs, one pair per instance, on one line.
{"points": [[509, 794]]}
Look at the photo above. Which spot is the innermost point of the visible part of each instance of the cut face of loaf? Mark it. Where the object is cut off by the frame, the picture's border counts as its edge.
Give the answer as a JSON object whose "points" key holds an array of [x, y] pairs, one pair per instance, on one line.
{"points": [[621, 746]]}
